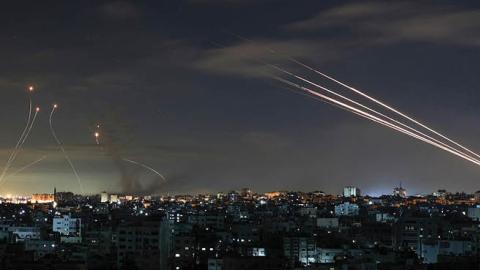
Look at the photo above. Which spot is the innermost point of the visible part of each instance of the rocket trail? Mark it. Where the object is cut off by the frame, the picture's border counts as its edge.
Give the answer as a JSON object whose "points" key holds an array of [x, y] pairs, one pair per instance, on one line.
{"points": [[67, 158], [25, 167], [369, 109], [394, 124], [385, 106], [24, 130], [377, 120], [26, 135], [97, 133], [29, 128], [22, 139], [366, 96], [145, 167], [7, 164]]}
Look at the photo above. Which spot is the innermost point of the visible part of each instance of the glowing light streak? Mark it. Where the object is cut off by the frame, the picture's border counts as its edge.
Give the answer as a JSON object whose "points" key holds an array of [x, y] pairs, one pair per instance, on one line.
{"points": [[26, 167], [60, 145], [385, 106], [377, 120], [145, 167], [370, 110]]}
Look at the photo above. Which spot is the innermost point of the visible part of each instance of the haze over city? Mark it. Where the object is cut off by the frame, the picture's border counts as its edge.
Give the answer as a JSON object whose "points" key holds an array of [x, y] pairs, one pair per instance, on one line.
{"points": [[239, 134], [182, 87]]}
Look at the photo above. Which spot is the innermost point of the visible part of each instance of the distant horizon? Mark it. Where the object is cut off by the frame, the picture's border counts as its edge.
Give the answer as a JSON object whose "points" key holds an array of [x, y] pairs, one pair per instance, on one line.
{"points": [[194, 96], [237, 190]]}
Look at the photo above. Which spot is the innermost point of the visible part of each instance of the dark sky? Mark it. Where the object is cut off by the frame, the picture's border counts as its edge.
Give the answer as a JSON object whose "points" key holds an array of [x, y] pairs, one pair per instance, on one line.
{"points": [[175, 89]]}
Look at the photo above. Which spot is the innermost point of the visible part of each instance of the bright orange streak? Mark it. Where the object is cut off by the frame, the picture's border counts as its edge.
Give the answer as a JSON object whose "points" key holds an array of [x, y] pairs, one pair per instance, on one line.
{"points": [[371, 110], [386, 106], [378, 120]]}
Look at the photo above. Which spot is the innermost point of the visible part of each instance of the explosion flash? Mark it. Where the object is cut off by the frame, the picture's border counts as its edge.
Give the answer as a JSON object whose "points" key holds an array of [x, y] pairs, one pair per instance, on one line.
{"points": [[97, 135]]}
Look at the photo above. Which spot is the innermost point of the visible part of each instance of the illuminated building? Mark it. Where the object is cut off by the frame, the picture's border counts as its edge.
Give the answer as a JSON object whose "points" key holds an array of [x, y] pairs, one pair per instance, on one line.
{"points": [[143, 244], [347, 209], [351, 191], [474, 213], [20, 234], [67, 225], [400, 192], [113, 198], [300, 249], [104, 197], [477, 196], [272, 195], [246, 193], [440, 193]]}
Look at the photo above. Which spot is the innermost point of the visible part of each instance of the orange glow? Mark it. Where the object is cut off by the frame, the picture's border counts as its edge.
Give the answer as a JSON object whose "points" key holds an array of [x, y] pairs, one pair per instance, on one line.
{"points": [[31, 88], [42, 198]]}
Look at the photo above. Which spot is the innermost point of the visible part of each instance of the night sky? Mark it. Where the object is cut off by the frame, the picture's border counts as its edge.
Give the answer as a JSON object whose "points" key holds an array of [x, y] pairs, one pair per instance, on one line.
{"points": [[175, 88]]}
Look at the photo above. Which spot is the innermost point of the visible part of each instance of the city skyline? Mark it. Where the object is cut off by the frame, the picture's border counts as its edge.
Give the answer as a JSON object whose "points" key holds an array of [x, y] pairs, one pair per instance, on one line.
{"points": [[174, 87], [395, 191]]}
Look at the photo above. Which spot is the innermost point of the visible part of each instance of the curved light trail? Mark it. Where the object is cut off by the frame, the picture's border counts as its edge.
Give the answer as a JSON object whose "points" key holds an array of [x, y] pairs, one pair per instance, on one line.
{"points": [[67, 158]]}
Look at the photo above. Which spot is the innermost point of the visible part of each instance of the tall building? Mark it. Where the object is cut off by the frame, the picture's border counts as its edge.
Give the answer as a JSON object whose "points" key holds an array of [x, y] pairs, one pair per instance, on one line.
{"points": [[351, 191], [300, 250], [113, 198], [347, 209], [64, 197], [400, 191], [67, 225], [477, 196], [246, 193], [104, 197], [143, 245]]}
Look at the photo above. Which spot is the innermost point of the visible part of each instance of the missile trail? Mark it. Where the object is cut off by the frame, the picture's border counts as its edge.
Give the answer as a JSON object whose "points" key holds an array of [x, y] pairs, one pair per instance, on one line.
{"points": [[59, 143], [26, 167], [13, 153], [21, 140], [97, 141], [373, 118], [29, 128], [145, 167], [366, 96], [385, 106], [37, 110], [377, 120], [25, 129], [368, 109]]}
